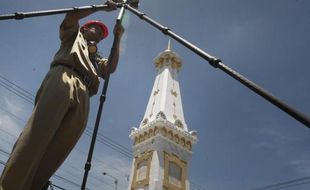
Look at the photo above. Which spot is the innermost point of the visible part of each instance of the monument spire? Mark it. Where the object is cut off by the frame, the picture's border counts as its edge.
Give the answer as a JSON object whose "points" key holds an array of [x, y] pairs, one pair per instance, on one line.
{"points": [[165, 98], [162, 144]]}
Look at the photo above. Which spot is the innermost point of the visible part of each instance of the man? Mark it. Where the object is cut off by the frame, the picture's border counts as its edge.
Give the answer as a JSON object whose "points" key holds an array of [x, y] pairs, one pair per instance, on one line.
{"points": [[62, 103]]}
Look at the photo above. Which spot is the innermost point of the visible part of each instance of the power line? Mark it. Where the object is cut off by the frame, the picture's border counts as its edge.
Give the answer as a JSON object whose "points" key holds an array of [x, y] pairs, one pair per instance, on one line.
{"points": [[194, 186], [9, 134], [283, 185], [53, 185], [78, 169], [2, 162], [110, 144], [11, 114], [96, 159], [66, 180], [292, 185], [7, 141], [73, 175], [5, 152], [110, 141], [16, 93], [29, 94], [17, 90]]}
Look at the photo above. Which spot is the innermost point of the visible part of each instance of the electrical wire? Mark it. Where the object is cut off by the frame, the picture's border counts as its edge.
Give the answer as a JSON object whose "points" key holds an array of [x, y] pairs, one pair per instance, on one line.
{"points": [[5, 152], [97, 159], [27, 93], [2, 162], [283, 185], [78, 170], [11, 114], [68, 181], [194, 186], [110, 145], [53, 185], [15, 89]]}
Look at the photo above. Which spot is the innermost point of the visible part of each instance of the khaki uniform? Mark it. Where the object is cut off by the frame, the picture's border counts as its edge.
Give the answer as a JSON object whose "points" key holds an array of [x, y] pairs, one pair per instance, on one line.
{"points": [[59, 116]]}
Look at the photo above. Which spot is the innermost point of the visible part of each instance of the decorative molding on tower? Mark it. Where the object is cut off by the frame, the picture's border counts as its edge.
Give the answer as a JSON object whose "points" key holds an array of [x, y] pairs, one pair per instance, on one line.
{"points": [[166, 129], [168, 59]]}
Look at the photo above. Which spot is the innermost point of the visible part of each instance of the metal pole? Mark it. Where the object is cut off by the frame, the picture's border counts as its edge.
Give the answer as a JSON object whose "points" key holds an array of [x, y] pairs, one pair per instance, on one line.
{"points": [[217, 63], [102, 100], [22, 15], [94, 136]]}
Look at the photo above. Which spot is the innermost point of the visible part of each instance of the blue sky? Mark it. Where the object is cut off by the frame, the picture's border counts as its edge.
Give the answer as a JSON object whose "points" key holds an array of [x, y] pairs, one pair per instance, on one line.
{"points": [[244, 141]]}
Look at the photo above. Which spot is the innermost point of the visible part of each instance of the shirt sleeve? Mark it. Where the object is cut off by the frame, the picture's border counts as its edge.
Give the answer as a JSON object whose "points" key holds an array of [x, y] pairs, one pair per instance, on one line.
{"points": [[67, 33]]}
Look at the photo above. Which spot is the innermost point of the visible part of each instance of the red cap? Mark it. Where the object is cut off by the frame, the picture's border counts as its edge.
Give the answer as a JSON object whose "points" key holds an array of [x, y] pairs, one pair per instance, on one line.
{"points": [[104, 28]]}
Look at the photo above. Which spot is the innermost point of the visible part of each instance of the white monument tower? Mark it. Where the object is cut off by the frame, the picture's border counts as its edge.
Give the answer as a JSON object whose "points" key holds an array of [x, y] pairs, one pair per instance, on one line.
{"points": [[162, 146]]}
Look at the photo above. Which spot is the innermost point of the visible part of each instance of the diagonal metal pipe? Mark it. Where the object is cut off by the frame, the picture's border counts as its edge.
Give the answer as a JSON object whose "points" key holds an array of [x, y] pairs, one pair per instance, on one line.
{"points": [[217, 63]]}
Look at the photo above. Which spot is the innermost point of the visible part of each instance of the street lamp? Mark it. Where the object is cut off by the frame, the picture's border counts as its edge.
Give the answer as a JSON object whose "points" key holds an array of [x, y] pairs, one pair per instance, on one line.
{"points": [[115, 179]]}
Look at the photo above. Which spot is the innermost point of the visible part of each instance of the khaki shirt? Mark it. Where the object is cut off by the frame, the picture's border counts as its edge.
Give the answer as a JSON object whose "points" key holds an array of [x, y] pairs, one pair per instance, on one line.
{"points": [[74, 53]]}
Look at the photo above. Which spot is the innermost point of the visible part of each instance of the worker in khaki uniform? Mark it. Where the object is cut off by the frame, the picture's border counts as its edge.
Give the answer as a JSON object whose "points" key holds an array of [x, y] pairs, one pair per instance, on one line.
{"points": [[62, 104]]}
